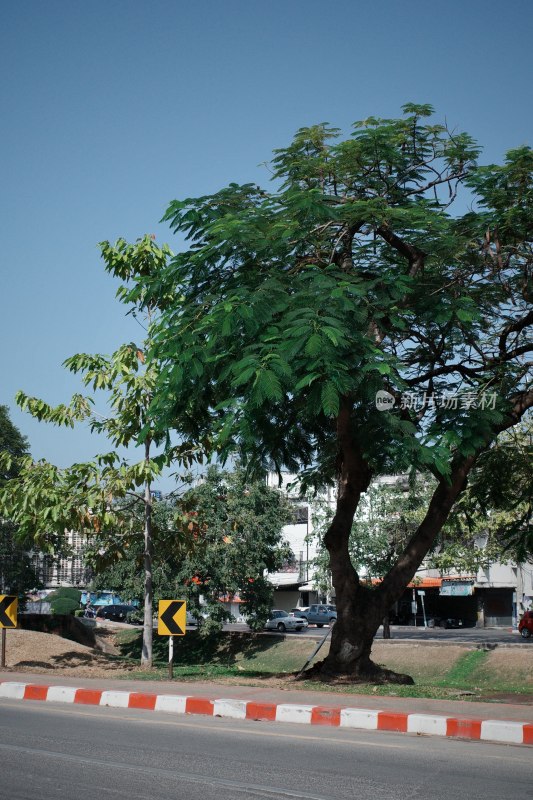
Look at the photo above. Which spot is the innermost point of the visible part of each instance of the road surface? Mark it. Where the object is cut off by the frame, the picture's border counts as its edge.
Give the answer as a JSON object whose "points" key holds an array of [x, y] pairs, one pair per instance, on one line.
{"points": [[76, 753]]}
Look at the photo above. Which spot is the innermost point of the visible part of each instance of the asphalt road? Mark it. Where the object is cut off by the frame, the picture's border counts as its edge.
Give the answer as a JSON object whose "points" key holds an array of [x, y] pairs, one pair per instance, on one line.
{"points": [[81, 754], [485, 636]]}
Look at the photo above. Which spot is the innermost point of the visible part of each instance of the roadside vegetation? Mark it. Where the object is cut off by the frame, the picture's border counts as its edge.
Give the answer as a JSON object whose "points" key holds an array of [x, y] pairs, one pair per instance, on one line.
{"points": [[452, 671]]}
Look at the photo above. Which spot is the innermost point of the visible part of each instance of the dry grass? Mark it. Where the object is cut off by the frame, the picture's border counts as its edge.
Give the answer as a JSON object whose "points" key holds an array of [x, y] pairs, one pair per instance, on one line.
{"points": [[424, 662], [502, 667], [31, 651]]}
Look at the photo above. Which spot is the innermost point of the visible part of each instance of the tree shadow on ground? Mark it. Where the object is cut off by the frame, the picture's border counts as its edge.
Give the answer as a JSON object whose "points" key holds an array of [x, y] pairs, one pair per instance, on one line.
{"points": [[219, 649], [71, 658]]}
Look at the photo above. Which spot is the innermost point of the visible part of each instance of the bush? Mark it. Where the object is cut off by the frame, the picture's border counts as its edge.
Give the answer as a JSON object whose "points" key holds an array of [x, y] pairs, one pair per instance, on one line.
{"points": [[64, 605]]}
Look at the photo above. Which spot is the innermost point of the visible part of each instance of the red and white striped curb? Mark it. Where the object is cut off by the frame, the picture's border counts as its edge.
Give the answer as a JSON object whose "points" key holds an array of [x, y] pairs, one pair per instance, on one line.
{"points": [[492, 730]]}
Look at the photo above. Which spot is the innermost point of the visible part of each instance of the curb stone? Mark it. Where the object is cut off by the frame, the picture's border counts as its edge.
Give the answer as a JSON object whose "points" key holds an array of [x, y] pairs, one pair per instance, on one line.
{"points": [[491, 730]]}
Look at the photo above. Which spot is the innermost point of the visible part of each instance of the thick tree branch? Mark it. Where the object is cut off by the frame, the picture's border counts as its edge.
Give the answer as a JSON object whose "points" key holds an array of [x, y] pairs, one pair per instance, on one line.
{"points": [[354, 476], [413, 254], [514, 327], [444, 497]]}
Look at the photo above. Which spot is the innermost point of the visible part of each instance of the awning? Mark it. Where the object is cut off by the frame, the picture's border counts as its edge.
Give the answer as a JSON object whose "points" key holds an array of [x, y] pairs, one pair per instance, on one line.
{"points": [[425, 583], [420, 583]]}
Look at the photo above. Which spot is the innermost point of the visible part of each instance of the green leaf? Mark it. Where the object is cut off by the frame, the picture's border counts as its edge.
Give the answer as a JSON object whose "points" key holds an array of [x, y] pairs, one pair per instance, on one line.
{"points": [[330, 399]]}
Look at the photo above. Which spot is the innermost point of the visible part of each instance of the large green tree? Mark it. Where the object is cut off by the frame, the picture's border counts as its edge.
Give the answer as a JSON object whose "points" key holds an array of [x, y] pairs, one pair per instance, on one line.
{"points": [[291, 308]]}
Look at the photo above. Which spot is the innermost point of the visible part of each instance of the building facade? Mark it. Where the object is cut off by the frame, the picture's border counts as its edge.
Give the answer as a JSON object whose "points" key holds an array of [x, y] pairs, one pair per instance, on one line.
{"points": [[493, 597]]}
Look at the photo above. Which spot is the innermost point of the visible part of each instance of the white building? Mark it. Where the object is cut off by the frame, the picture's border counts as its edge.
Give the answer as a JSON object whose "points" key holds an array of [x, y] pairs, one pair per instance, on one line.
{"points": [[294, 584], [69, 570]]}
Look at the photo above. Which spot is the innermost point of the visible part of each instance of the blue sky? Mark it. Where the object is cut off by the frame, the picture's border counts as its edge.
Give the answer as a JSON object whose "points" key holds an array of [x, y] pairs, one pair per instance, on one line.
{"points": [[110, 109]]}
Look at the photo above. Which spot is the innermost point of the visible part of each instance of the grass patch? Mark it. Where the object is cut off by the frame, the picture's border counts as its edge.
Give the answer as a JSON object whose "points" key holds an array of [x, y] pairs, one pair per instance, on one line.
{"points": [[441, 671], [460, 674], [227, 654]]}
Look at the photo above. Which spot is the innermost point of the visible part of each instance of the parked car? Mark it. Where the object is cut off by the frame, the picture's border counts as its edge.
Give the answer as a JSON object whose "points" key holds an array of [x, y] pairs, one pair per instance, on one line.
{"points": [[449, 622], [283, 621], [525, 626], [319, 614], [193, 620], [295, 611], [115, 612]]}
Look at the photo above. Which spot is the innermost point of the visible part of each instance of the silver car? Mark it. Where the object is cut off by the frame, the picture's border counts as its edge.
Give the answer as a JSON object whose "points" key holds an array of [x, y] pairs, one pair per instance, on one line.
{"points": [[282, 621]]}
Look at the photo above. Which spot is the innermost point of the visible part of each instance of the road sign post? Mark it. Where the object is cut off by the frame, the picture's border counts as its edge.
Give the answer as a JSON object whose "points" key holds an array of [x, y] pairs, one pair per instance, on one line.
{"points": [[172, 621], [8, 619], [422, 594], [170, 657]]}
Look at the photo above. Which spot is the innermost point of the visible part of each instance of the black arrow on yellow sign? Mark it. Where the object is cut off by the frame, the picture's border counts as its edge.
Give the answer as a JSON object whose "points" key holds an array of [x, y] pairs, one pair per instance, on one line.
{"points": [[8, 619], [168, 624]]}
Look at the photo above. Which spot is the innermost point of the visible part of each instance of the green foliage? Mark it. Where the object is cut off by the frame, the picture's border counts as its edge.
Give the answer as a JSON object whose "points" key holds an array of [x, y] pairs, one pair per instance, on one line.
{"points": [[497, 505], [116, 554], [17, 575], [64, 605], [65, 600], [12, 444], [235, 527], [65, 592]]}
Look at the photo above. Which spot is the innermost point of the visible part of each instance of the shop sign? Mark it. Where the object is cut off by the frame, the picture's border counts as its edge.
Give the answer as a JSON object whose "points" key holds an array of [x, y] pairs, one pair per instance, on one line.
{"points": [[456, 588]]}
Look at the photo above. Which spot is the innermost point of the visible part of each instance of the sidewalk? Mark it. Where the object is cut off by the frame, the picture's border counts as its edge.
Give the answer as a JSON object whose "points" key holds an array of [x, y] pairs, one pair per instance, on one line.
{"points": [[501, 722]]}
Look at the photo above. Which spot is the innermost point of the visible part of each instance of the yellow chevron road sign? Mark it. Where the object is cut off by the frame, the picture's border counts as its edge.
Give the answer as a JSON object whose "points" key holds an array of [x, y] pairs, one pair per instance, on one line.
{"points": [[8, 611], [172, 618]]}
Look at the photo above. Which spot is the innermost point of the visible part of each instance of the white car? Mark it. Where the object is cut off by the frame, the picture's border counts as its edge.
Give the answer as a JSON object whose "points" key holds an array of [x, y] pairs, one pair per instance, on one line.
{"points": [[282, 621]]}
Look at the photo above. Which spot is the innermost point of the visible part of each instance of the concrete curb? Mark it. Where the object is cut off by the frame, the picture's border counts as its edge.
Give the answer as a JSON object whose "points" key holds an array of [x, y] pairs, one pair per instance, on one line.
{"points": [[491, 730]]}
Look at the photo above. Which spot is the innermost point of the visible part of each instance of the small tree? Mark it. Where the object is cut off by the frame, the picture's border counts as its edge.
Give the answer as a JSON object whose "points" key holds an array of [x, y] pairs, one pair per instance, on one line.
{"points": [[238, 527], [90, 497]]}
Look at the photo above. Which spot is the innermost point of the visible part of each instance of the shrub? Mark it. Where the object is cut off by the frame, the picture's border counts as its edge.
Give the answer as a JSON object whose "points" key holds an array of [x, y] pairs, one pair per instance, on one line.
{"points": [[64, 605]]}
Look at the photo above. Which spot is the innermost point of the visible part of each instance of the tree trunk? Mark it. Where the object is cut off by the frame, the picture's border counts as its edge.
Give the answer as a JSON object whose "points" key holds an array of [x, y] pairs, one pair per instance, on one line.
{"points": [[360, 609], [359, 615], [146, 655]]}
